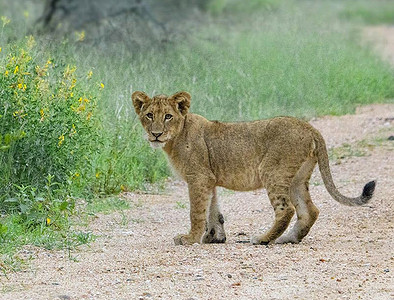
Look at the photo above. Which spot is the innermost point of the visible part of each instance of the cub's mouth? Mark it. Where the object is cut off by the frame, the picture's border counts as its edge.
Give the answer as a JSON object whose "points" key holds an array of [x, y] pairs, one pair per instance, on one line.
{"points": [[156, 140], [157, 143]]}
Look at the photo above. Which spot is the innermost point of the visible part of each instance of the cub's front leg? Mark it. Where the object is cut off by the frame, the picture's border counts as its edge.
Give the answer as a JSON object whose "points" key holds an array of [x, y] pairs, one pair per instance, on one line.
{"points": [[200, 192]]}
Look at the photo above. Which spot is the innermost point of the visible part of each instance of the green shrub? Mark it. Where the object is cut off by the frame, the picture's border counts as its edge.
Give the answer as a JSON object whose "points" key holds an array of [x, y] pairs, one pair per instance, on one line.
{"points": [[48, 120]]}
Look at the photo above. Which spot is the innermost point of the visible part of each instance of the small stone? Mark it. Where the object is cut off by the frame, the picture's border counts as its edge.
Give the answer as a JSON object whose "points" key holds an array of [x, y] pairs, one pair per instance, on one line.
{"points": [[386, 270], [64, 297], [391, 138], [229, 276], [147, 295], [199, 278], [282, 277]]}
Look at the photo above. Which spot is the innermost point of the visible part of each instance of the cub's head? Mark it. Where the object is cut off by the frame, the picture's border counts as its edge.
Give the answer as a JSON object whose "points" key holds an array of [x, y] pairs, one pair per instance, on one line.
{"points": [[161, 116]]}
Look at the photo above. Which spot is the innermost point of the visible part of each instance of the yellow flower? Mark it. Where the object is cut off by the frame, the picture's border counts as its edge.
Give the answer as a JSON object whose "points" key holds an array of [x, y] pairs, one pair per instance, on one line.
{"points": [[61, 140], [16, 69], [19, 113], [69, 71], [102, 85], [77, 174], [88, 116], [81, 108], [22, 86], [73, 83], [73, 130], [97, 174], [0, 49], [90, 73], [80, 36], [6, 73], [42, 115], [48, 221]]}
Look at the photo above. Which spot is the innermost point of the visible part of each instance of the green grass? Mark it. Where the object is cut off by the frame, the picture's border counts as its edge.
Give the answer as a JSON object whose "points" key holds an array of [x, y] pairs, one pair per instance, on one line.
{"points": [[15, 234], [363, 147], [347, 151], [235, 7], [287, 63], [107, 205], [370, 12], [180, 205]]}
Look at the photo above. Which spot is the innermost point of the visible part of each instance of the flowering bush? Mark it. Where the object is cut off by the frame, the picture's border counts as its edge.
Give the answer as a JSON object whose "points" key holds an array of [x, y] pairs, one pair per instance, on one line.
{"points": [[48, 122]]}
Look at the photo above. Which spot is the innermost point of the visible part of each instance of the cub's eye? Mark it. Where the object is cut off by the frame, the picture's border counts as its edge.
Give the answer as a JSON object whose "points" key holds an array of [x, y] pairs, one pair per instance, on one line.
{"points": [[168, 117], [149, 116]]}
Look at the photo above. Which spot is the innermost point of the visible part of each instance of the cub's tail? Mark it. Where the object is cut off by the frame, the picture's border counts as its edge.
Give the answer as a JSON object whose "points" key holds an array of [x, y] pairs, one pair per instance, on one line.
{"points": [[324, 167]]}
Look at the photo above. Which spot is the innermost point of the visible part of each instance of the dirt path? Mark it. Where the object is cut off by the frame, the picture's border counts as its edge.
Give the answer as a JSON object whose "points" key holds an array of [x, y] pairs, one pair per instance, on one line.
{"points": [[347, 255]]}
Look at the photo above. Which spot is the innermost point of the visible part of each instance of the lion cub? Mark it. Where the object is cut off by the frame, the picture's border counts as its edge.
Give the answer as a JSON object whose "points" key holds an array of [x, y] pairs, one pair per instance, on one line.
{"points": [[277, 154]]}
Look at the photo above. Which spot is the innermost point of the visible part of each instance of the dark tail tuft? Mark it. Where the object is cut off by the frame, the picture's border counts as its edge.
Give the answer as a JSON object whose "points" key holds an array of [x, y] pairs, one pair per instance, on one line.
{"points": [[368, 190]]}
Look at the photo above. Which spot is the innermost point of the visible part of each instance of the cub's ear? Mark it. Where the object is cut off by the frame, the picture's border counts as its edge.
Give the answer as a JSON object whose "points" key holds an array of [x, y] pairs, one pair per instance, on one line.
{"points": [[139, 99], [182, 100]]}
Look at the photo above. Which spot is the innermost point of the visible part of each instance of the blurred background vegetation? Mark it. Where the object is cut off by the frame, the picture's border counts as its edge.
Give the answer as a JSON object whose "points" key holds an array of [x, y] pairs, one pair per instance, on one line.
{"points": [[68, 67]]}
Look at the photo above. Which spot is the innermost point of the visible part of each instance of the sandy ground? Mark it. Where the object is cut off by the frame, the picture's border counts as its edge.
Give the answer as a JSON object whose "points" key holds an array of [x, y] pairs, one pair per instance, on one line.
{"points": [[347, 255]]}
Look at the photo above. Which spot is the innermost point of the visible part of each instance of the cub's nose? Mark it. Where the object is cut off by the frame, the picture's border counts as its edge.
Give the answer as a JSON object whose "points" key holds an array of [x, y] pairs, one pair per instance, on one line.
{"points": [[157, 134]]}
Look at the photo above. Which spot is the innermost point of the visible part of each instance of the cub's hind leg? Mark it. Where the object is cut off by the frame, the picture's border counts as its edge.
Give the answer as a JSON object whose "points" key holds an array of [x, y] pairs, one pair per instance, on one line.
{"points": [[284, 211], [215, 226], [307, 212]]}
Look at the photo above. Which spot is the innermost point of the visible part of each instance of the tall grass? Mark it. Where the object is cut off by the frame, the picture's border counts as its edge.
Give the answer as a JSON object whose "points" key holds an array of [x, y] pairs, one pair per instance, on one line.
{"points": [[369, 12], [286, 62]]}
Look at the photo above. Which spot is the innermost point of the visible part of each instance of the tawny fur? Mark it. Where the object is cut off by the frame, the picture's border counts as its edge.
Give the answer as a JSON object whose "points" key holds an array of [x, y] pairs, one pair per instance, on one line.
{"points": [[277, 154]]}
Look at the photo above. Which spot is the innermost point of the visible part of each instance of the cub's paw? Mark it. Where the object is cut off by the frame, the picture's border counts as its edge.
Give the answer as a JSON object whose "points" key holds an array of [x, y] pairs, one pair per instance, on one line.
{"points": [[214, 235], [215, 230], [289, 238], [259, 240], [185, 239]]}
